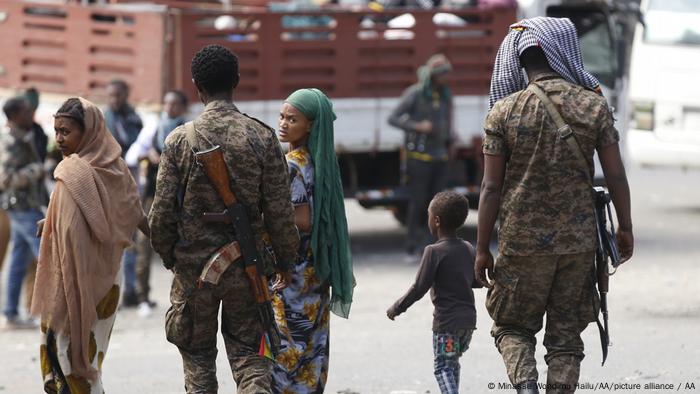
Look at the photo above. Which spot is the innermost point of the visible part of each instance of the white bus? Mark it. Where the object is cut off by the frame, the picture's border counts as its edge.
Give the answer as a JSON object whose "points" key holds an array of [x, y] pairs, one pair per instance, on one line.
{"points": [[665, 86]]}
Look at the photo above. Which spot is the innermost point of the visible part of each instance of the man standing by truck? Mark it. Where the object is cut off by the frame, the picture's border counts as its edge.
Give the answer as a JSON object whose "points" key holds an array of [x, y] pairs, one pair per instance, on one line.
{"points": [[424, 113], [538, 181]]}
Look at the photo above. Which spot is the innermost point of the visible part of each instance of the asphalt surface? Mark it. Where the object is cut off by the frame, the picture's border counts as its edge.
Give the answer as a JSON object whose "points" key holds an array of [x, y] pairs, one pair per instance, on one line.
{"points": [[654, 316]]}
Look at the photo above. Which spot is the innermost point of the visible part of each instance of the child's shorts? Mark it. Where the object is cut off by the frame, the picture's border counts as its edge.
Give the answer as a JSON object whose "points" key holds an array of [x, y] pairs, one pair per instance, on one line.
{"points": [[451, 344]]}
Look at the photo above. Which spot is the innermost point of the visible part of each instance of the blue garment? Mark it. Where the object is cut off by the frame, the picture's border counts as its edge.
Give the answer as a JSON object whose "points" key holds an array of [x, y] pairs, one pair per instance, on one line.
{"points": [[302, 309], [25, 247], [166, 125], [447, 349], [129, 266]]}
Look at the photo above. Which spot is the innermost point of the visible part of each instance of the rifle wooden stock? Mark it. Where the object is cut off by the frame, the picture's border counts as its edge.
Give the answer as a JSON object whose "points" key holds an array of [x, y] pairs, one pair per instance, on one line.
{"points": [[257, 285], [215, 167]]}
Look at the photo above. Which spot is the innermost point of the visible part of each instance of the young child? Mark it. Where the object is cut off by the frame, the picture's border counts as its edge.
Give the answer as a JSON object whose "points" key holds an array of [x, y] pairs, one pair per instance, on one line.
{"points": [[447, 268]]}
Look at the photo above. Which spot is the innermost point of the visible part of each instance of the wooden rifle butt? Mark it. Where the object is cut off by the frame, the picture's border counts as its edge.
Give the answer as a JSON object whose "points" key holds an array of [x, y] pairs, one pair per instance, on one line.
{"points": [[212, 161]]}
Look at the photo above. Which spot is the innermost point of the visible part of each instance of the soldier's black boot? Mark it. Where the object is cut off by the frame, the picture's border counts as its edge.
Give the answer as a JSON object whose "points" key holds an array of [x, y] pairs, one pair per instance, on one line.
{"points": [[529, 387]]}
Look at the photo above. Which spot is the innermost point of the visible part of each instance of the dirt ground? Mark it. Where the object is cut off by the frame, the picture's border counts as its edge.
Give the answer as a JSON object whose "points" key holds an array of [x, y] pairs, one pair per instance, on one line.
{"points": [[654, 317]]}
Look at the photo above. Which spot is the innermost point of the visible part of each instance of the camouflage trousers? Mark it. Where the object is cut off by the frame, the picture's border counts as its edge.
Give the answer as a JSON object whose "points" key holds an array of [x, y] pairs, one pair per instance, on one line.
{"points": [[191, 324], [528, 287]]}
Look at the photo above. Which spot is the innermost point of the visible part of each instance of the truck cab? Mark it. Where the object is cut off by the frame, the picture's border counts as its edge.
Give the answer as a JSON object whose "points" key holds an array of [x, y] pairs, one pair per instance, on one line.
{"points": [[604, 30], [664, 84]]}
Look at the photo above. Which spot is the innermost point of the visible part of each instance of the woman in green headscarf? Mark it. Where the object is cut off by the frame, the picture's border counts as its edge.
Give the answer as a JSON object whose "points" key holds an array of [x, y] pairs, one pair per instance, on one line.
{"points": [[322, 280]]}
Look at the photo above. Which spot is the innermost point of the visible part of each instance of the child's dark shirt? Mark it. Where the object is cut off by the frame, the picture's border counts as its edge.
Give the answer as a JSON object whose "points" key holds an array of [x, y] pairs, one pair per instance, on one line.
{"points": [[448, 268]]}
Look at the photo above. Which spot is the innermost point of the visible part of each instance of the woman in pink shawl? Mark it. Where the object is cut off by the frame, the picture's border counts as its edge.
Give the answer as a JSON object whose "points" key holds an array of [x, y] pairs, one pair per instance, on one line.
{"points": [[92, 215]]}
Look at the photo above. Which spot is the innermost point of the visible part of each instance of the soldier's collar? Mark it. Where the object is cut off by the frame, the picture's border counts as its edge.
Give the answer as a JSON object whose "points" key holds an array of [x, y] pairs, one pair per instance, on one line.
{"points": [[219, 105], [545, 75]]}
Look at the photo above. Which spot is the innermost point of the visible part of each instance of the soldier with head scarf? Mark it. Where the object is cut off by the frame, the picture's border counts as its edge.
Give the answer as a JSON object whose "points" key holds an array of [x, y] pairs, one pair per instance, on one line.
{"points": [[541, 191]]}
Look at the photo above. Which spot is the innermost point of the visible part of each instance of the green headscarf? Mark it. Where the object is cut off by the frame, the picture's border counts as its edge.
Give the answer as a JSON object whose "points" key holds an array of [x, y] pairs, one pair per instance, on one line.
{"points": [[436, 64], [330, 243]]}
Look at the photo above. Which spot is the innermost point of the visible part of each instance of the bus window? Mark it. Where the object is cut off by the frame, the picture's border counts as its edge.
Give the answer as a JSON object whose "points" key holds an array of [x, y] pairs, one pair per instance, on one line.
{"points": [[673, 22]]}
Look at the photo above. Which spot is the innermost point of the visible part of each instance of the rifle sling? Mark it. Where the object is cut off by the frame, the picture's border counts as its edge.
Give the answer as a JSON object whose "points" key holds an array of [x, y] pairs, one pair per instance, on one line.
{"points": [[191, 136], [563, 128]]}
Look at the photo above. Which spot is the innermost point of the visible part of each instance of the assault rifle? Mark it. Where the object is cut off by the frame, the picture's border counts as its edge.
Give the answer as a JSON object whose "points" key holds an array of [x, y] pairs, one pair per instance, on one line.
{"points": [[606, 251], [212, 160]]}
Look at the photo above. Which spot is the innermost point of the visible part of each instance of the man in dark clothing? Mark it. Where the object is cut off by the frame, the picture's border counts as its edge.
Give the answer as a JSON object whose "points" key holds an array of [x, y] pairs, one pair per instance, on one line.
{"points": [[125, 125], [425, 114], [542, 193], [447, 269], [145, 153], [120, 117], [41, 141]]}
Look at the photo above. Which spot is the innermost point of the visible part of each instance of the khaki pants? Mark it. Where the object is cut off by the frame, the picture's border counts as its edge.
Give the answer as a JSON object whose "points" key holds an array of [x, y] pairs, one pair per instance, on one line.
{"points": [[528, 287], [191, 324]]}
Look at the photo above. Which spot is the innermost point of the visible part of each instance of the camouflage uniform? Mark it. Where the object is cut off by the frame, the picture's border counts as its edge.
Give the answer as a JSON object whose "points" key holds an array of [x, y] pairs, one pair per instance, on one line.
{"points": [[183, 193], [547, 228], [22, 196]]}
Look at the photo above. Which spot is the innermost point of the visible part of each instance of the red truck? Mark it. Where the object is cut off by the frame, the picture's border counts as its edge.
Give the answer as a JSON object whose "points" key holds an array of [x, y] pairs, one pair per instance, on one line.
{"points": [[361, 58]]}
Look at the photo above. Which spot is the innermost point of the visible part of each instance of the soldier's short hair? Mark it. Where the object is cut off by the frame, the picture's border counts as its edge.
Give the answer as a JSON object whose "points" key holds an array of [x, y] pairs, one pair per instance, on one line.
{"points": [[451, 207], [215, 69]]}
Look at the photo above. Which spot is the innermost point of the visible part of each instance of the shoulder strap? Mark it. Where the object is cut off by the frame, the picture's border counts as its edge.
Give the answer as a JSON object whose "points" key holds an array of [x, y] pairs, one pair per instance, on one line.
{"points": [[191, 135], [563, 129]]}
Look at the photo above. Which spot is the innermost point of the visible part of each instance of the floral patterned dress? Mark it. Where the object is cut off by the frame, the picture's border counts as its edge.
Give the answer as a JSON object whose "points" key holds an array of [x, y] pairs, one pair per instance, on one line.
{"points": [[302, 309]]}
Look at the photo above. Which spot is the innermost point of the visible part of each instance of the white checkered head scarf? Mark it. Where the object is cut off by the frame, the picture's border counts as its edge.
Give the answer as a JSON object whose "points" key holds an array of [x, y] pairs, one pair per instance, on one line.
{"points": [[558, 39]]}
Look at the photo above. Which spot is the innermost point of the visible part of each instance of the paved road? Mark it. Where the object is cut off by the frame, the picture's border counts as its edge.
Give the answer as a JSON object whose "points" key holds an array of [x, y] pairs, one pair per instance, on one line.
{"points": [[654, 311]]}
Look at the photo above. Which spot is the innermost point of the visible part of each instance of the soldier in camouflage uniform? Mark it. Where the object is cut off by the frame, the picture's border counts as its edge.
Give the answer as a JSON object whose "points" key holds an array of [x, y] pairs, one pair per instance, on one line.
{"points": [[23, 197], [184, 241], [543, 194]]}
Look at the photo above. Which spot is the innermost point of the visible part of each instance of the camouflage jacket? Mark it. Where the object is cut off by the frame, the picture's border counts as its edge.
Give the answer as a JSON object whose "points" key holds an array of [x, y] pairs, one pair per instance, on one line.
{"points": [[258, 170], [546, 203], [21, 172]]}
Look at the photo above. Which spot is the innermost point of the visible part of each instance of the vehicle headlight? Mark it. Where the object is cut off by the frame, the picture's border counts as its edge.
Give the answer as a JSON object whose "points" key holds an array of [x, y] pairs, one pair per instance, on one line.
{"points": [[642, 115]]}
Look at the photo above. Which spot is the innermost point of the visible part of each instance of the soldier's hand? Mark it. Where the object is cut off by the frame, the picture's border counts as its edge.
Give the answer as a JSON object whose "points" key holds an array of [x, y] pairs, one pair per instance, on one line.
{"points": [[625, 243], [282, 280], [424, 126], [391, 313], [483, 264]]}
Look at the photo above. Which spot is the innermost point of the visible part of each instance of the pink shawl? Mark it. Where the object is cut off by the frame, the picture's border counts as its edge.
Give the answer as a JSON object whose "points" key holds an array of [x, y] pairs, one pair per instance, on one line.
{"points": [[92, 216]]}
